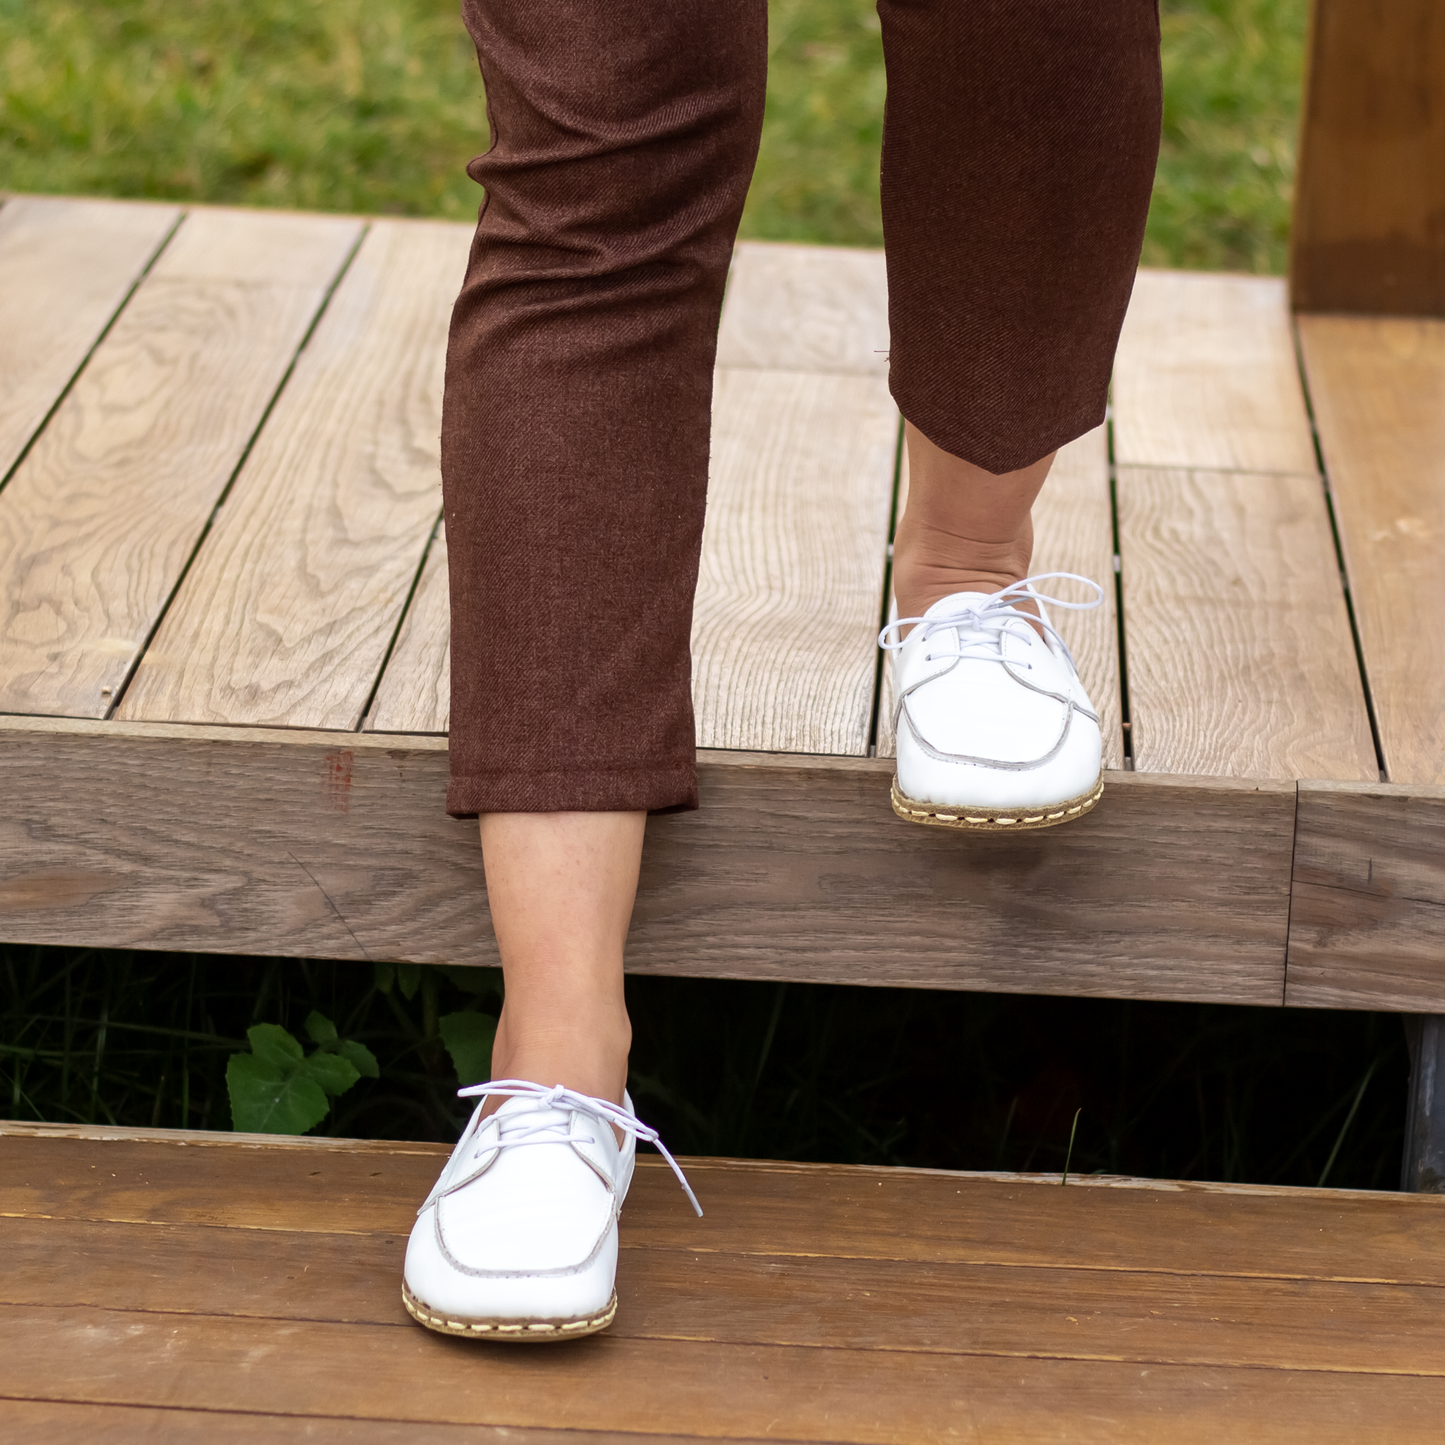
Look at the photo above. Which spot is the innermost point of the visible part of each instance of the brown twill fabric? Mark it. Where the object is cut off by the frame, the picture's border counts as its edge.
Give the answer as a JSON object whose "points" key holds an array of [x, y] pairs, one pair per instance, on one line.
{"points": [[1019, 148]]}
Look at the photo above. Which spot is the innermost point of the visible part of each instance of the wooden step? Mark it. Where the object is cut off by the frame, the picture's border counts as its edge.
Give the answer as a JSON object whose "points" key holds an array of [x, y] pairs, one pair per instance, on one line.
{"points": [[248, 1286], [224, 648]]}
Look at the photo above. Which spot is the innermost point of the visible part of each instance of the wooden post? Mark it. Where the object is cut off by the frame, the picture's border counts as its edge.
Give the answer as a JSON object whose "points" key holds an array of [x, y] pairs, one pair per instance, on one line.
{"points": [[1369, 212], [1423, 1170]]}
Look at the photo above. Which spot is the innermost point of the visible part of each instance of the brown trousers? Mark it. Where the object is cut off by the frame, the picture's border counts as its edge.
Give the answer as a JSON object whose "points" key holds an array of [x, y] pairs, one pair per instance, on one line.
{"points": [[1019, 146]]}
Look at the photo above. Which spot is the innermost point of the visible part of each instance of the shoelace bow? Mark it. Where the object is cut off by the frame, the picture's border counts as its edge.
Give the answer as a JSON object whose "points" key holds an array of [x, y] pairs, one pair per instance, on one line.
{"points": [[514, 1131], [993, 618]]}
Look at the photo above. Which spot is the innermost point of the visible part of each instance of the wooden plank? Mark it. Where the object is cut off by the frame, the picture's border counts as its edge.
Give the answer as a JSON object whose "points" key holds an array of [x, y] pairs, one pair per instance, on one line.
{"points": [[286, 615], [66, 267], [1378, 389], [103, 515], [63, 1422], [1370, 187], [1073, 532], [805, 308], [1206, 376], [823, 1302], [794, 868], [612, 1383], [358, 1189], [1241, 660], [415, 693], [1367, 924], [791, 582]]}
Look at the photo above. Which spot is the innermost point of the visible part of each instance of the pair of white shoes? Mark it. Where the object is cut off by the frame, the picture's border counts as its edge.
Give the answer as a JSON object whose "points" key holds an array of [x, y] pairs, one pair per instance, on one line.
{"points": [[518, 1241]]}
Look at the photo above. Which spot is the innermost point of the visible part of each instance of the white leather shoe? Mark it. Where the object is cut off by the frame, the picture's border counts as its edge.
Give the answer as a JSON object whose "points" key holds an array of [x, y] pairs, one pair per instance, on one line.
{"points": [[994, 729], [518, 1241]]}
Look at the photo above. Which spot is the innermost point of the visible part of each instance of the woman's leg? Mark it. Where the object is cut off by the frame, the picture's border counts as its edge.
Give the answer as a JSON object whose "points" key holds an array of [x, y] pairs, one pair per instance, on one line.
{"points": [[574, 458], [579, 382], [1018, 156], [561, 887]]}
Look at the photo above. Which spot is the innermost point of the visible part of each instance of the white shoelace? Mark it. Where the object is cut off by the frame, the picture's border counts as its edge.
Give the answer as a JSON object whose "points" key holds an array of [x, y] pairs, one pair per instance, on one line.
{"points": [[997, 614], [515, 1130]]}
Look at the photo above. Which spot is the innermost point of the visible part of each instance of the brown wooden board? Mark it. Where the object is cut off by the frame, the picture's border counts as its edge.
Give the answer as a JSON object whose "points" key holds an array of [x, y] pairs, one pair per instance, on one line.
{"points": [[66, 267], [1367, 926], [63, 1422], [1241, 661], [794, 867], [1378, 390], [820, 1301], [1206, 376], [654, 1386], [1370, 188], [812, 1303], [286, 615], [102, 517], [361, 1189]]}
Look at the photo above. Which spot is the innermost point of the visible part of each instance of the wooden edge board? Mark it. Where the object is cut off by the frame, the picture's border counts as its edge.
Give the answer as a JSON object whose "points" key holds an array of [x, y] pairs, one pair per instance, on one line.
{"points": [[1367, 926], [701, 1163], [337, 845]]}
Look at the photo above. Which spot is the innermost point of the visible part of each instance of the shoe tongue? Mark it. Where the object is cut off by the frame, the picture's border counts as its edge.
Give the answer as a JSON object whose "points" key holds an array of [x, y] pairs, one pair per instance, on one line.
{"points": [[524, 1113]]}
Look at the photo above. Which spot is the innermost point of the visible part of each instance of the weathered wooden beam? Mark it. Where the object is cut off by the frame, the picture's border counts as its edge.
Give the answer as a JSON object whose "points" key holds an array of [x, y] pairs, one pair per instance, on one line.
{"points": [[1423, 1168], [1367, 924], [1369, 213], [235, 840]]}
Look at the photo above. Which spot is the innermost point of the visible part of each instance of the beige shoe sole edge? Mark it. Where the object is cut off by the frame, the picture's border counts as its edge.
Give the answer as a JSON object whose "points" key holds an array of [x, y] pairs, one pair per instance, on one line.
{"points": [[993, 820], [516, 1332]]}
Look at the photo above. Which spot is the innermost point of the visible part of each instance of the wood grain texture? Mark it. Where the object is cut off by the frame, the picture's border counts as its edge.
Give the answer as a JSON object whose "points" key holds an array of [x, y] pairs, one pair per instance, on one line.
{"points": [[358, 1188], [66, 267], [1367, 929], [1370, 188], [812, 1303], [103, 515], [794, 868], [1241, 662], [874, 1397], [63, 1422], [805, 308], [286, 614], [823, 1301], [415, 693], [791, 582], [1378, 390], [1073, 532], [1206, 376]]}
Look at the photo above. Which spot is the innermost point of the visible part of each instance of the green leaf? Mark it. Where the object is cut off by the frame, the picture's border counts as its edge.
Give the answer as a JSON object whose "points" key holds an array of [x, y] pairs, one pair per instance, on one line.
{"points": [[271, 1043], [266, 1099], [360, 1057], [408, 979], [385, 976], [468, 1037], [320, 1028], [335, 1074]]}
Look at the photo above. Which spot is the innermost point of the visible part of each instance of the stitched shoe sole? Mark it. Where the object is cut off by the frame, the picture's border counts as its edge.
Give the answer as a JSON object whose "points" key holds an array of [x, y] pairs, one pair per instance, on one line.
{"points": [[509, 1331], [994, 820]]}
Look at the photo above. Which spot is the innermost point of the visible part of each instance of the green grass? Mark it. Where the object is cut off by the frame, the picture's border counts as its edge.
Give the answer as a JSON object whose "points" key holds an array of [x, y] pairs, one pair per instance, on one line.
{"points": [[375, 105]]}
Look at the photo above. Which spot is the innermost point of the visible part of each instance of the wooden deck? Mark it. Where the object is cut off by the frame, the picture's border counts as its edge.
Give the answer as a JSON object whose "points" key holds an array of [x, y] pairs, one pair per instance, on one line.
{"points": [[223, 633], [169, 1286]]}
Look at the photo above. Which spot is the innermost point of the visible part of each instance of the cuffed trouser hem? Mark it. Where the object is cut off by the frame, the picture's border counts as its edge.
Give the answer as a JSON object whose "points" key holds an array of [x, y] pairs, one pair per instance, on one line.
{"points": [[624, 790]]}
